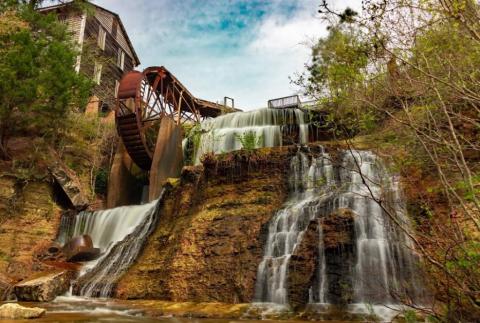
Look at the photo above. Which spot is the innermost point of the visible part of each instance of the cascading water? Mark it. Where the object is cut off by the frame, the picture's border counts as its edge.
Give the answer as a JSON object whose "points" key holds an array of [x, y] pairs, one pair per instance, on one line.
{"points": [[119, 233], [382, 265], [270, 127], [288, 225]]}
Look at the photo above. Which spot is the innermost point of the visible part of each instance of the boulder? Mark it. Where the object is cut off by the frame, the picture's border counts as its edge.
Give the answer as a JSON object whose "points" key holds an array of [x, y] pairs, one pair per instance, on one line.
{"points": [[14, 311], [80, 248], [44, 288]]}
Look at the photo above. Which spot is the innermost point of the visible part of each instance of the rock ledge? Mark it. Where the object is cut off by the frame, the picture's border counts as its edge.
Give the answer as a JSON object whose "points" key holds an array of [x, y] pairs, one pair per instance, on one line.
{"points": [[14, 311], [44, 288]]}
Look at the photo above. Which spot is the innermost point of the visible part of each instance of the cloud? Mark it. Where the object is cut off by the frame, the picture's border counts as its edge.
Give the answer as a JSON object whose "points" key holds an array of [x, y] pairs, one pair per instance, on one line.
{"points": [[245, 49]]}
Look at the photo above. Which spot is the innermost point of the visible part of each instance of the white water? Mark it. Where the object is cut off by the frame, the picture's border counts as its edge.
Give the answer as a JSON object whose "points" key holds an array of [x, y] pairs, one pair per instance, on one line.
{"points": [[384, 265], [311, 183], [108, 229], [221, 133]]}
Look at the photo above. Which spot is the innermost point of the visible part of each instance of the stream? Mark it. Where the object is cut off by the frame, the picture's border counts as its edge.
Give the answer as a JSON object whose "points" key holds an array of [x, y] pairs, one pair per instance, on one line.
{"points": [[78, 309]]}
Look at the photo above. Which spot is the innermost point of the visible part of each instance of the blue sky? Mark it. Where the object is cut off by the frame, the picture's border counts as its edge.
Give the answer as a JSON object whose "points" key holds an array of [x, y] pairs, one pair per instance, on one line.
{"points": [[242, 49]]}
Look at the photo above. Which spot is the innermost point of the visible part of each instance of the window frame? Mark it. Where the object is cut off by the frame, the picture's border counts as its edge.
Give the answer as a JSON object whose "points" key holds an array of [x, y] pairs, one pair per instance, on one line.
{"points": [[97, 73], [117, 87], [121, 58], [102, 36]]}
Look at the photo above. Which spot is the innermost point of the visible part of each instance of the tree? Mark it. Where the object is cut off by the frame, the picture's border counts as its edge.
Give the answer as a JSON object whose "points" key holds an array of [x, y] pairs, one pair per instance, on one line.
{"points": [[420, 77], [38, 83], [338, 70]]}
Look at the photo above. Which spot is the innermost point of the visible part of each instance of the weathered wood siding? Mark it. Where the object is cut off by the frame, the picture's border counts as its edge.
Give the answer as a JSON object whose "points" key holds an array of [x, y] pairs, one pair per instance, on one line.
{"points": [[109, 22], [105, 91], [86, 34]]}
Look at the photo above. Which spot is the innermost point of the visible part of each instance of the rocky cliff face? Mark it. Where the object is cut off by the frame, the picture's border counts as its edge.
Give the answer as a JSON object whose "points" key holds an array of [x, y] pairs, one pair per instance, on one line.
{"points": [[210, 236], [339, 243], [302, 267], [29, 219]]}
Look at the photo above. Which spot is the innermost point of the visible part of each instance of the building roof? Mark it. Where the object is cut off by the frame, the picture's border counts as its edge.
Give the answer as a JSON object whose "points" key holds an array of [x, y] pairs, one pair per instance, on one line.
{"points": [[62, 5]]}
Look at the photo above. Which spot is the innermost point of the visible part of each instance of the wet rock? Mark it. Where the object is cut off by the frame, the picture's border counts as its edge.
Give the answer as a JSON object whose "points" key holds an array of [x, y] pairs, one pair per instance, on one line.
{"points": [[80, 248], [191, 174], [15, 311], [339, 243], [210, 238], [301, 268], [52, 252], [338, 229], [44, 288]]}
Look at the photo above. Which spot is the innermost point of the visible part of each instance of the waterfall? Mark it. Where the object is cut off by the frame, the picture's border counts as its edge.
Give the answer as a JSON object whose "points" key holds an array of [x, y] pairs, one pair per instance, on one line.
{"points": [[379, 263], [120, 234], [311, 184], [385, 266], [270, 126]]}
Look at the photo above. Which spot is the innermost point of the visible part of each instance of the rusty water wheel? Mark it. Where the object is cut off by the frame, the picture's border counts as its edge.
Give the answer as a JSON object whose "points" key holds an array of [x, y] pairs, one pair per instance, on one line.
{"points": [[140, 107]]}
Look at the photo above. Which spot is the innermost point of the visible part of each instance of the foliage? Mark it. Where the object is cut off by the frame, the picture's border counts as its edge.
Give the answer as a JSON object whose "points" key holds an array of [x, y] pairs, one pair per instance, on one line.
{"points": [[101, 180], [337, 63], [87, 145], [338, 69], [249, 140], [193, 134], [404, 74], [38, 84], [410, 316]]}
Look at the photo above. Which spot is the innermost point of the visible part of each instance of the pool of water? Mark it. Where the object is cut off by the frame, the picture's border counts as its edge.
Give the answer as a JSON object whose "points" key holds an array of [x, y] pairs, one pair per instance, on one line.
{"points": [[77, 309]]}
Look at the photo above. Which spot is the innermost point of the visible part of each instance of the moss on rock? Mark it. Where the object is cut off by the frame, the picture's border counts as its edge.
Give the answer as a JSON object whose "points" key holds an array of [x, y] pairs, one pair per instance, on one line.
{"points": [[210, 237]]}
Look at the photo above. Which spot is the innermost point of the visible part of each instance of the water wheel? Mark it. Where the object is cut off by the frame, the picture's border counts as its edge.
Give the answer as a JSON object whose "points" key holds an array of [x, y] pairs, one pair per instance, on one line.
{"points": [[143, 99]]}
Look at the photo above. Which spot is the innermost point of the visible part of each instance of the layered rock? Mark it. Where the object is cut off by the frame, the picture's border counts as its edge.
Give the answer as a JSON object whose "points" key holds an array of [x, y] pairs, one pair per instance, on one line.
{"points": [[339, 243], [45, 287], [15, 311], [29, 220], [211, 232], [303, 267], [69, 182]]}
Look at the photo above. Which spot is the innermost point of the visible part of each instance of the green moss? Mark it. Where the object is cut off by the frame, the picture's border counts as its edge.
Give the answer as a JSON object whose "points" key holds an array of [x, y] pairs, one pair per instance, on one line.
{"points": [[5, 257]]}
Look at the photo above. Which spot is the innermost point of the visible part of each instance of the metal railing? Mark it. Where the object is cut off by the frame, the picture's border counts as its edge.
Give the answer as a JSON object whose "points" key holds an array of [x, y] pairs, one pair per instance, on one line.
{"points": [[292, 101]]}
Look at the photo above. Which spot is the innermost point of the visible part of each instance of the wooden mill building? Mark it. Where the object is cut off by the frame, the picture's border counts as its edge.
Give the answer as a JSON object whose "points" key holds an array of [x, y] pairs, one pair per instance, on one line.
{"points": [[106, 50]]}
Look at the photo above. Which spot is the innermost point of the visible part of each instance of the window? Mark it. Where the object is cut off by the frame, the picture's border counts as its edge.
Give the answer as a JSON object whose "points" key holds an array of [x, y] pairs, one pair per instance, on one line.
{"points": [[117, 86], [102, 34], [120, 58], [97, 73]]}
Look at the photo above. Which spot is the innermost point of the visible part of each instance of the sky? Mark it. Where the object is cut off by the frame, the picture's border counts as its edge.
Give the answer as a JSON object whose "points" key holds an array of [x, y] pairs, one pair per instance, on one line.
{"points": [[244, 49]]}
